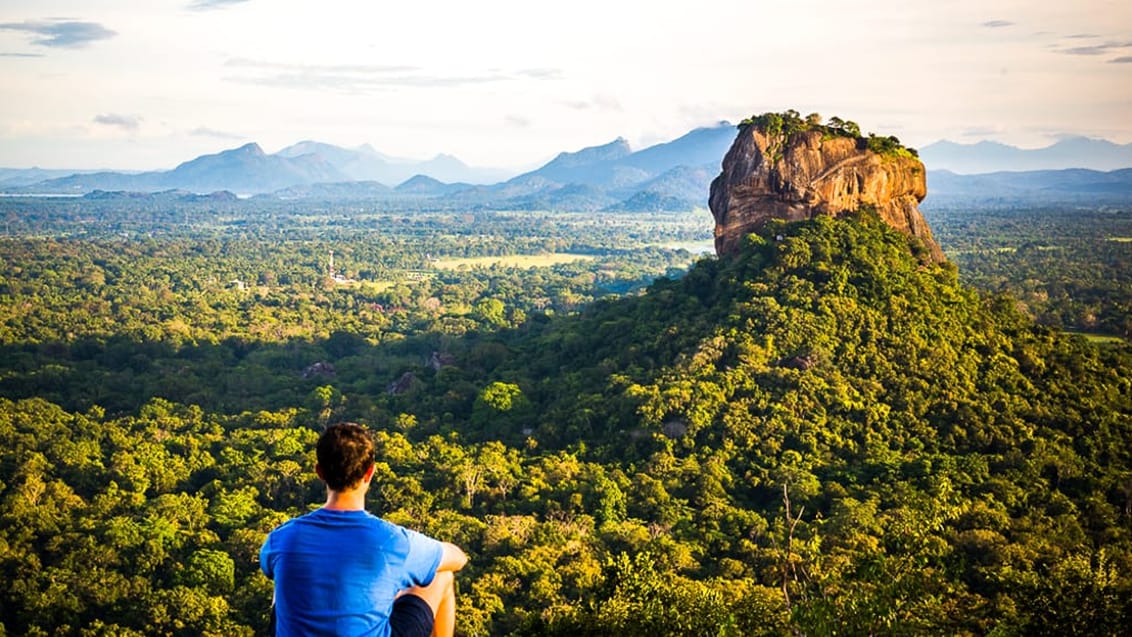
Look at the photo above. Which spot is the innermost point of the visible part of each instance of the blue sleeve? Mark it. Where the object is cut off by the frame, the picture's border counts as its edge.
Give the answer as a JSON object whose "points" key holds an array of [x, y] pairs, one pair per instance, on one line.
{"points": [[423, 558], [265, 558]]}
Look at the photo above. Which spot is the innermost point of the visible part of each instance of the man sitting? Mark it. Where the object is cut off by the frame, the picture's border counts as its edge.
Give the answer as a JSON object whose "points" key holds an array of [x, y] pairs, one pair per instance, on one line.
{"points": [[339, 570]]}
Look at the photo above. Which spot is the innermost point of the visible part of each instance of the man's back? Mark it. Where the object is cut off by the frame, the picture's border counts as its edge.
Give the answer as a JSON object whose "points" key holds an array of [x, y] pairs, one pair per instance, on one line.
{"points": [[338, 572]]}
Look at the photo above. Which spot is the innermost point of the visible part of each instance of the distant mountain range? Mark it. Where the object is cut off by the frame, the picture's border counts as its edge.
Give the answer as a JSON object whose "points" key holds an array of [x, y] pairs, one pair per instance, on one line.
{"points": [[248, 169], [366, 164], [670, 176], [17, 177], [676, 173], [1072, 185], [989, 157], [245, 169]]}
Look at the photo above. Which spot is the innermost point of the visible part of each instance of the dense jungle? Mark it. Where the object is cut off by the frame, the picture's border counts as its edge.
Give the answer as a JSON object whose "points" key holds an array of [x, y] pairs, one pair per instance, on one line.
{"points": [[823, 434]]}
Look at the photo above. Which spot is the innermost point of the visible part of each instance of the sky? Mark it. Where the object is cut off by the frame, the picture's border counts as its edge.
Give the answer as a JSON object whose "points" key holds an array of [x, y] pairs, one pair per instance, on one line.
{"points": [[147, 84]]}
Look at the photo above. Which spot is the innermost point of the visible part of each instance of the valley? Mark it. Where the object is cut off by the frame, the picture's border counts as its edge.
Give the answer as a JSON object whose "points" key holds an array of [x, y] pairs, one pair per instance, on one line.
{"points": [[820, 426], [841, 422]]}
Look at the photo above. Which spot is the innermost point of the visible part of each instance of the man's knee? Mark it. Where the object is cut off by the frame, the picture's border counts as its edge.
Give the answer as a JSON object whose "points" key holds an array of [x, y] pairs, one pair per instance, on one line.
{"points": [[443, 580], [441, 586]]}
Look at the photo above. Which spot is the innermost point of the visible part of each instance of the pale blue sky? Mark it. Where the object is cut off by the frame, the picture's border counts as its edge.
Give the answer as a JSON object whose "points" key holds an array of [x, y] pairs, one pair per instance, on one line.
{"points": [[509, 83]]}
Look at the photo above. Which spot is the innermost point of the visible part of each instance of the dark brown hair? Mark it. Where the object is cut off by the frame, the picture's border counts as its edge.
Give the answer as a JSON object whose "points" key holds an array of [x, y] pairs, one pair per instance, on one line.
{"points": [[345, 452]]}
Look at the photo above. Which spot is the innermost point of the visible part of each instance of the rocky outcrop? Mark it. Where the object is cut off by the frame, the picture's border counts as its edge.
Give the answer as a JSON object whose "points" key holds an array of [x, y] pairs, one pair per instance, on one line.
{"points": [[808, 173]]}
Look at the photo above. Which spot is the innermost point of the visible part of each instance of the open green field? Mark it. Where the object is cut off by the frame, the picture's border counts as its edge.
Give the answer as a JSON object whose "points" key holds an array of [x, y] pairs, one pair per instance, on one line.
{"points": [[1100, 339], [997, 250], [701, 247], [513, 261], [373, 287]]}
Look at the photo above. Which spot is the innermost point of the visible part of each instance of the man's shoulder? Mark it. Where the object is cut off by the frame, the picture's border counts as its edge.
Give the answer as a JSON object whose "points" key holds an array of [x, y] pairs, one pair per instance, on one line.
{"points": [[328, 519]]}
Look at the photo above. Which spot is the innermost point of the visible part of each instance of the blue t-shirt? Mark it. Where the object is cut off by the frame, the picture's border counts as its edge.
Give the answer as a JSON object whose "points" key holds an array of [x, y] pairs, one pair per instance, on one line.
{"points": [[338, 572]]}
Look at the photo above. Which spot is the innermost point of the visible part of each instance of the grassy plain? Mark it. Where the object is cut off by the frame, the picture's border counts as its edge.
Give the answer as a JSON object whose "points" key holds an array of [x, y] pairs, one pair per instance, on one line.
{"points": [[1099, 339], [372, 287], [512, 261]]}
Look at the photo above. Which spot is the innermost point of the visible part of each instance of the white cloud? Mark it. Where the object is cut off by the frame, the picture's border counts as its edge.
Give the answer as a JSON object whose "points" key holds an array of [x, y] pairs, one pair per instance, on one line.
{"points": [[1097, 49], [366, 78], [204, 131], [206, 5], [61, 33], [116, 120]]}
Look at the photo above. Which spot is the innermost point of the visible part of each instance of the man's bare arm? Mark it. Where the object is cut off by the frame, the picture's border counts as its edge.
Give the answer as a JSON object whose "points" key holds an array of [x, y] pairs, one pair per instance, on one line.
{"points": [[453, 558]]}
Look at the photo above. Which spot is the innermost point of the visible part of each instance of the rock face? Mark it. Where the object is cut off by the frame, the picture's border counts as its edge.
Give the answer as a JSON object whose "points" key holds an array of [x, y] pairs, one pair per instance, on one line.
{"points": [[809, 173]]}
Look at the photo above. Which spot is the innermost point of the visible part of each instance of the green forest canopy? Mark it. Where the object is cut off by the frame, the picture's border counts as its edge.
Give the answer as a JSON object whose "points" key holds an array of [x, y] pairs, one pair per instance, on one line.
{"points": [[820, 435], [790, 122]]}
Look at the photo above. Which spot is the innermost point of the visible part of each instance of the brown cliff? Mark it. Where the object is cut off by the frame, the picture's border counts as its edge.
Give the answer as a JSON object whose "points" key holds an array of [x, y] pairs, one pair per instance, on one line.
{"points": [[799, 175]]}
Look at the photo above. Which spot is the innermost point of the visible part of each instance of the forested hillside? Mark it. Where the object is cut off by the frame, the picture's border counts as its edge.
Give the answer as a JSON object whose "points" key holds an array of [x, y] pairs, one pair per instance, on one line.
{"points": [[821, 434]]}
